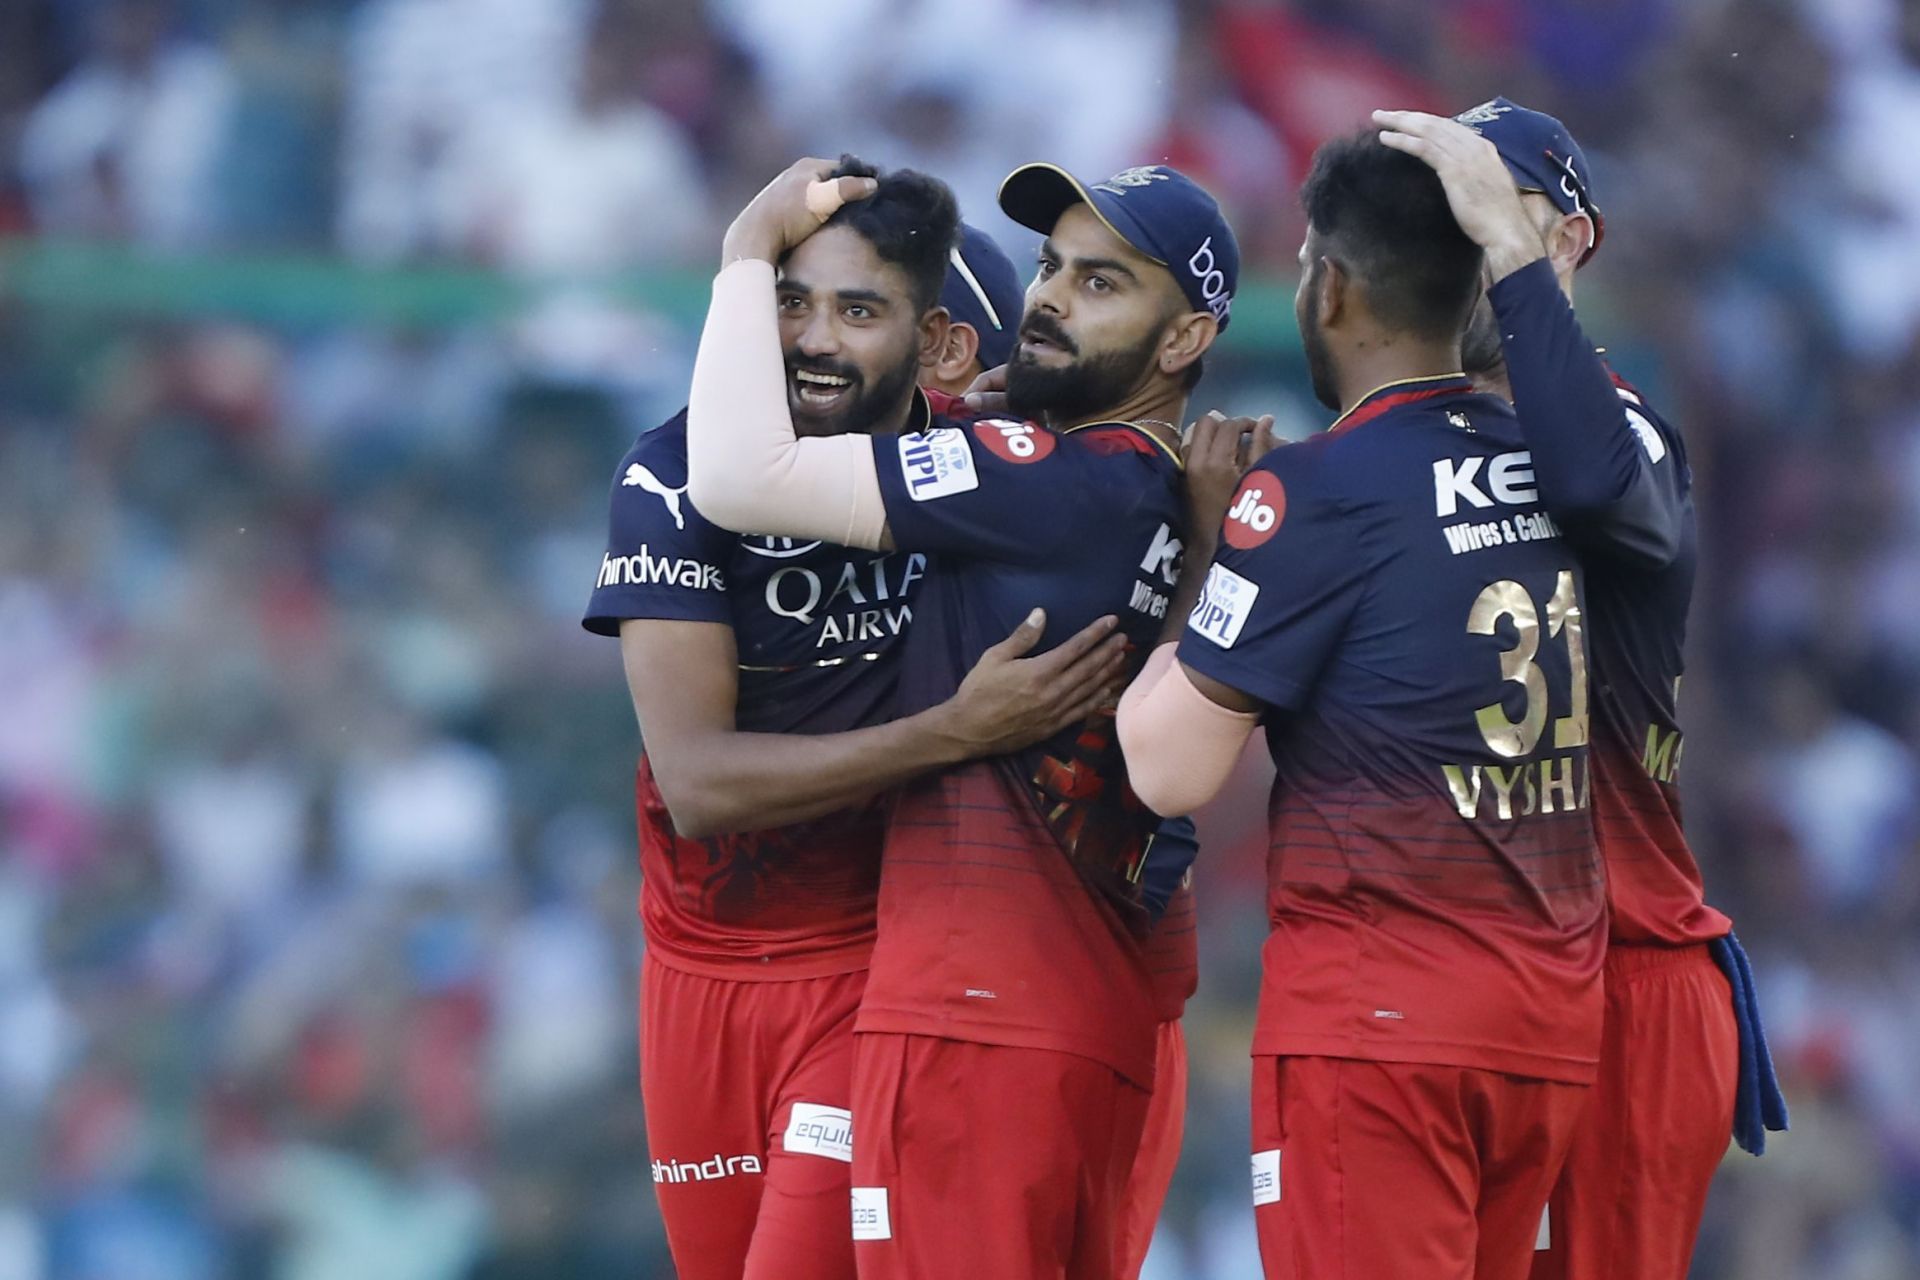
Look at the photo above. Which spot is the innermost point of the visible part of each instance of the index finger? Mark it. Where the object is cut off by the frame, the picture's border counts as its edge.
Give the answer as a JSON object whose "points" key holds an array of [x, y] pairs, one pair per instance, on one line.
{"points": [[1418, 123], [1076, 646]]}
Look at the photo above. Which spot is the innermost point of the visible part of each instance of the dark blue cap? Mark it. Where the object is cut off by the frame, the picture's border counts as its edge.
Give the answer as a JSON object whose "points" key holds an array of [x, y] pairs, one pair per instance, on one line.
{"points": [[984, 290], [1541, 155], [1161, 212]]}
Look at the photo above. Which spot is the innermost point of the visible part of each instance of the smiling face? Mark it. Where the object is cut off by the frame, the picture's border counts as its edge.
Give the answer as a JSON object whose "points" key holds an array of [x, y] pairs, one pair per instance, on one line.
{"points": [[1098, 313], [852, 335]]}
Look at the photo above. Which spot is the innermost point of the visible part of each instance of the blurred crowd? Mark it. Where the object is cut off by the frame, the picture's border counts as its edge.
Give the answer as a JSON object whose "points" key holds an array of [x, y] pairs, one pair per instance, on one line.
{"points": [[317, 946]]}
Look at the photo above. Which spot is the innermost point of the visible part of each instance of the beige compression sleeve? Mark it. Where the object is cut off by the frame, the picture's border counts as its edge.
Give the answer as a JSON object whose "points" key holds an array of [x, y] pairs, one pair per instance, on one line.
{"points": [[746, 470], [1179, 743]]}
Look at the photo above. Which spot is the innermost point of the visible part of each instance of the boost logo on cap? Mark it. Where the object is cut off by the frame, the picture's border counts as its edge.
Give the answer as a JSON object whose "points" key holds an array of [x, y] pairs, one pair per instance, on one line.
{"points": [[1159, 211]]}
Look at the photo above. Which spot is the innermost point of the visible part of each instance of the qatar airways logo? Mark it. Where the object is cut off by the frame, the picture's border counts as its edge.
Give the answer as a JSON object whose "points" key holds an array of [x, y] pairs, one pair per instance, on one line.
{"points": [[860, 602], [711, 1169]]}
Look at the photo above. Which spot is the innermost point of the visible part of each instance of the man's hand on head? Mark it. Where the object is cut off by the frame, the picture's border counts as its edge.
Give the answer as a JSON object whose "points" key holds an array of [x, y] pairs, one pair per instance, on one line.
{"points": [[1479, 188], [789, 209]]}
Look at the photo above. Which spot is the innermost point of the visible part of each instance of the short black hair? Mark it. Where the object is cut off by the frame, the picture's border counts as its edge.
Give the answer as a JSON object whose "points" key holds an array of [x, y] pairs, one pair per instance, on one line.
{"points": [[912, 221], [1384, 216]]}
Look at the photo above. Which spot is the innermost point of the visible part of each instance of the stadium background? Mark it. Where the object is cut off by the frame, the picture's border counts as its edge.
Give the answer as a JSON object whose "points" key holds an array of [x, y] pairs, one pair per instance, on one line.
{"points": [[322, 323]]}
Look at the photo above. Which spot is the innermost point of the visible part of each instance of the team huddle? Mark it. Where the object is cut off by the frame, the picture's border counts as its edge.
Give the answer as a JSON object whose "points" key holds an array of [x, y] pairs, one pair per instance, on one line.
{"points": [[937, 625]]}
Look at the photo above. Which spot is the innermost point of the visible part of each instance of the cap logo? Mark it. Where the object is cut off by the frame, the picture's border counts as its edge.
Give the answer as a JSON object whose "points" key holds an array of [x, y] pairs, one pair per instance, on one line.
{"points": [[1212, 281], [1139, 176], [1569, 182], [1486, 113]]}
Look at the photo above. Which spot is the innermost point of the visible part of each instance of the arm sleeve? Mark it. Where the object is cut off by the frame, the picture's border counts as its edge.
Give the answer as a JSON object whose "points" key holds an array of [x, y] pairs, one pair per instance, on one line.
{"points": [[1171, 850], [1282, 586], [663, 558], [996, 489], [746, 468], [1610, 480], [1180, 745]]}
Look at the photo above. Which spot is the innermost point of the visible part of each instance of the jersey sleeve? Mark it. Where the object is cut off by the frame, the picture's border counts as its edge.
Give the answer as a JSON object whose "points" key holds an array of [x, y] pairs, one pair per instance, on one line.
{"points": [[663, 558], [1282, 586], [1603, 468], [994, 489], [1171, 850]]}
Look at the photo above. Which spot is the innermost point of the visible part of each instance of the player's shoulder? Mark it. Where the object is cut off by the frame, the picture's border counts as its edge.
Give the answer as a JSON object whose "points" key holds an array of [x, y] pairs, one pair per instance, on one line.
{"points": [[1656, 431], [661, 452]]}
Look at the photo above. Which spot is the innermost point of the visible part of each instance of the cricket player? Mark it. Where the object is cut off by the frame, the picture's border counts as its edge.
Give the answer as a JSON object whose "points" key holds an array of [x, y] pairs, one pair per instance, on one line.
{"points": [[764, 672], [1006, 1042], [985, 302], [983, 298], [1394, 603], [1614, 474]]}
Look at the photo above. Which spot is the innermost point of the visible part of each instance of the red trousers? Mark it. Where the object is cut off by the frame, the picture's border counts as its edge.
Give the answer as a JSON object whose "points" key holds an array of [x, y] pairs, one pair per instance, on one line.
{"points": [[747, 1088], [1658, 1121], [1395, 1171], [983, 1162], [1159, 1151]]}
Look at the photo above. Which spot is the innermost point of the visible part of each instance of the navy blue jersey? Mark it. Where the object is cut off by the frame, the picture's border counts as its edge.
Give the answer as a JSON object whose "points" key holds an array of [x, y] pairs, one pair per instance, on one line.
{"points": [[820, 631], [1396, 595], [1614, 472], [1010, 909]]}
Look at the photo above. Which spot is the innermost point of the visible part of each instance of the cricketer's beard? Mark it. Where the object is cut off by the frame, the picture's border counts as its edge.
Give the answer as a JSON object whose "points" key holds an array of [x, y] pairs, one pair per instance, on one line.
{"points": [[869, 405], [1077, 392]]}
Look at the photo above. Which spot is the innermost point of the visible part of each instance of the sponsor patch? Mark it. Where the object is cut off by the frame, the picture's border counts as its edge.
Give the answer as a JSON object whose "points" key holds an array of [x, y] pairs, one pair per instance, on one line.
{"points": [[1225, 601], [644, 569], [1257, 510], [816, 1130], [1649, 438], [938, 464], [1015, 441], [1266, 1177], [870, 1218]]}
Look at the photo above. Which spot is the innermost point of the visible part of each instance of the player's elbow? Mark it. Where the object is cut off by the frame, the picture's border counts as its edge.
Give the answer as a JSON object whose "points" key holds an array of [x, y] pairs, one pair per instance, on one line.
{"points": [[726, 499], [697, 808]]}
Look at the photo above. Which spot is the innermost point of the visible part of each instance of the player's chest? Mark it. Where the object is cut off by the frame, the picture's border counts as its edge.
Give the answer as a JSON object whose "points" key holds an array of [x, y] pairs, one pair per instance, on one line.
{"points": [[798, 602]]}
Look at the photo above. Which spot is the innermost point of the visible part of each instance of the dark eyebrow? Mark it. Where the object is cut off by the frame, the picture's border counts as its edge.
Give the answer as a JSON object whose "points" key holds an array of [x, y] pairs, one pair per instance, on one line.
{"points": [[1112, 265], [868, 297]]}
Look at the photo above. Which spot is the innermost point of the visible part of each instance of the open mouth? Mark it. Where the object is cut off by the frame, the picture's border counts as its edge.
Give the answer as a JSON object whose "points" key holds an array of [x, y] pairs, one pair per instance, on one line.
{"points": [[1036, 345], [813, 392]]}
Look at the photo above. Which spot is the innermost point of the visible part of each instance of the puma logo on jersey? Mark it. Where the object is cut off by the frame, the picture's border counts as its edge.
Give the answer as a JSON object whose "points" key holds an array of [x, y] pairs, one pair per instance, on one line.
{"points": [[639, 475]]}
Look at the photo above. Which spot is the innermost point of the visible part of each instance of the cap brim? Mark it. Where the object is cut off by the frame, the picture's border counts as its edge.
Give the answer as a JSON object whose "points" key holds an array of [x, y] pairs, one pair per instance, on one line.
{"points": [[1035, 195]]}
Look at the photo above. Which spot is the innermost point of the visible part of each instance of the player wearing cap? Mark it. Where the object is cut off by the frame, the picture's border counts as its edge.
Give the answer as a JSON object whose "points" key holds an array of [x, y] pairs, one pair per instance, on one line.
{"points": [[1006, 1039], [1614, 473], [985, 301], [983, 297], [763, 671], [1393, 601]]}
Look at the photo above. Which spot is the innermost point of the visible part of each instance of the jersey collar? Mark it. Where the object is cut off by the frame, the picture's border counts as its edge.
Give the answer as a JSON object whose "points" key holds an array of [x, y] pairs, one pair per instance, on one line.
{"points": [[1159, 445], [1393, 395], [919, 414]]}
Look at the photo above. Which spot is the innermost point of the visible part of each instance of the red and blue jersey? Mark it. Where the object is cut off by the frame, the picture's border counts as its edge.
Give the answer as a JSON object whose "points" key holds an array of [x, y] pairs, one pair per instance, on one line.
{"points": [[1010, 905], [820, 630], [1614, 473], [1397, 595]]}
